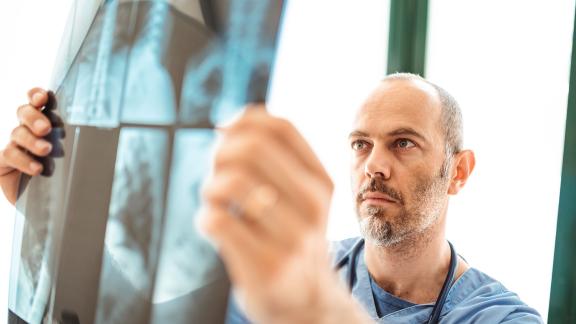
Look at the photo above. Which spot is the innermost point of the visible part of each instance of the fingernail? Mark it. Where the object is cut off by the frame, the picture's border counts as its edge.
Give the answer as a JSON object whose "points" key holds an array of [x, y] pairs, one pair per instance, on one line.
{"points": [[44, 146], [37, 97], [41, 125], [35, 167]]}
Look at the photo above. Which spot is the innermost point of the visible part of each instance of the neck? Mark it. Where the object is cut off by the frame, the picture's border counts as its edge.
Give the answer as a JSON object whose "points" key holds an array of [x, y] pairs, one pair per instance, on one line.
{"points": [[414, 269]]}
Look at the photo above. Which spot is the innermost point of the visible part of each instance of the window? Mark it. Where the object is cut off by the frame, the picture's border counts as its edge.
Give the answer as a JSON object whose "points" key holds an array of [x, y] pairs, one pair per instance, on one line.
{"points": [[508, 64], [331, 55]]}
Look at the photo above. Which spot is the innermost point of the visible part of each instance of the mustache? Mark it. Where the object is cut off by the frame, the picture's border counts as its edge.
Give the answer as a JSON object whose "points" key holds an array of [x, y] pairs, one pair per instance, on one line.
{"points": [[377, 184]]}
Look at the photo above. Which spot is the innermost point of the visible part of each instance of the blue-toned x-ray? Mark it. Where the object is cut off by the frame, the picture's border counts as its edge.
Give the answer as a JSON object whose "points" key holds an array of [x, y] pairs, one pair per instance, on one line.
{"points": [[108, 233], [189, 269], [134, 225], [153, 101]]}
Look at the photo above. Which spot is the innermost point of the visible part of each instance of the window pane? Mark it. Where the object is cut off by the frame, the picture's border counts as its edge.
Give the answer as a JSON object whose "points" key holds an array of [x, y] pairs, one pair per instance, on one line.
{"points": [[507, 63]]}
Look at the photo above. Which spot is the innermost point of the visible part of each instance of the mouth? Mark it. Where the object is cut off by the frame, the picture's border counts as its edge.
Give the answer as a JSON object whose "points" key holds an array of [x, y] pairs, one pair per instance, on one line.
{"points": [[377, 198]]}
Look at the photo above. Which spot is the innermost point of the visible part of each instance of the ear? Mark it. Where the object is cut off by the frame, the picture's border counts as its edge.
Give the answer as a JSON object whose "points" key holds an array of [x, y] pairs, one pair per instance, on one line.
{"points": [[463, 164]]}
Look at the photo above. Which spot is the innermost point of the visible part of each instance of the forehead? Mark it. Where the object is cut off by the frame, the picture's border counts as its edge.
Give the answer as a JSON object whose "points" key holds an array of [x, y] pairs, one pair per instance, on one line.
{"points": [[398, 104]]}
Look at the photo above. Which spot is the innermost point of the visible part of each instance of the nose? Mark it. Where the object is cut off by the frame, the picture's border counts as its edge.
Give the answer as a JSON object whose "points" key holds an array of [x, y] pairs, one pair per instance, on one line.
{"points": [[378, 164]]}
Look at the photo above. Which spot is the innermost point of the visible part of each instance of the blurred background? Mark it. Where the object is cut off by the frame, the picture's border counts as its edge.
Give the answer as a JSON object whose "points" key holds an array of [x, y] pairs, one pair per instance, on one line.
{"points": [[506, 62]]}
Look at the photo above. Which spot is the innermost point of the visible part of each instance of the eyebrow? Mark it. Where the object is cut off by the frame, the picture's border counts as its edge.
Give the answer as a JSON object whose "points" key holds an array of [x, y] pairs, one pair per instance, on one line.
{"points": [[407, 131], [396, 132], [357, 134]]}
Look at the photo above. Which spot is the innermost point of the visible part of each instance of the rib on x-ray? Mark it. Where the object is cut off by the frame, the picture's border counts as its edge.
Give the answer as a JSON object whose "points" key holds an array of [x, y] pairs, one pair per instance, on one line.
{"points": [[107, 234]]}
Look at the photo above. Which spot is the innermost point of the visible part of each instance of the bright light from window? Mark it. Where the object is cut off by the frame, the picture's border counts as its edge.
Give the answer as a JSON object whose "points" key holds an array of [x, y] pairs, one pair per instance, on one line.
{"points": [[507, 63], [331, 55]]}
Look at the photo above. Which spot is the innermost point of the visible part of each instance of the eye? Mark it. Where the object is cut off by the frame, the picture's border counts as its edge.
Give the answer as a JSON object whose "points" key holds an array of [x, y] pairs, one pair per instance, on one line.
{"points": [[359, 145], [404, 144]]}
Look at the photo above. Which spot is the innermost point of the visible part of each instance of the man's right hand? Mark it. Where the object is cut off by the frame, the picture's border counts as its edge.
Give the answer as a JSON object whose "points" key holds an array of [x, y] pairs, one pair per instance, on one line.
{"points": [[26, 140]]}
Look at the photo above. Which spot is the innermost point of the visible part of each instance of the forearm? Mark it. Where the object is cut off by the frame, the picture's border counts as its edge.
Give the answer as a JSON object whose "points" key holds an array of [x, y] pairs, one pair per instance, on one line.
{"points": [[333, 304]]}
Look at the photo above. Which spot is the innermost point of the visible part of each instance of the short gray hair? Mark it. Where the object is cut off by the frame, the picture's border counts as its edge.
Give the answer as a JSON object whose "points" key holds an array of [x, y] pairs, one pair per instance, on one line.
{"points": [[451, 114]]}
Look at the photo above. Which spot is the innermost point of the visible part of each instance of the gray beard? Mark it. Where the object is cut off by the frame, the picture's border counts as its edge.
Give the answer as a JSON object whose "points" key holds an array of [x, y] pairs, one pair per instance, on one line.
{"points": [[376, 230], [380, 228]]}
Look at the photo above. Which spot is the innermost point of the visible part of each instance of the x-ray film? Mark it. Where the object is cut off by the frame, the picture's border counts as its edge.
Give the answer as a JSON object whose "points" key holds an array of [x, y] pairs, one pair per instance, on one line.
{"points": [[134, 226], [108, 233], [189, 271]]}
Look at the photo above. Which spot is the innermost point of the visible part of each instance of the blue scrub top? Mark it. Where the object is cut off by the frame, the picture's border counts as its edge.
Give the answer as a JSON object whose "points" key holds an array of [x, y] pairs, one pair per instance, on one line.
{"points": [[473, 298]]}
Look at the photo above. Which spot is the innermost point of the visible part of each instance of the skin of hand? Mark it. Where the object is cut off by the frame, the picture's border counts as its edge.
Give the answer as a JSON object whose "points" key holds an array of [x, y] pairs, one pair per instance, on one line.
{"points": [[26, 139], [265, 207]]}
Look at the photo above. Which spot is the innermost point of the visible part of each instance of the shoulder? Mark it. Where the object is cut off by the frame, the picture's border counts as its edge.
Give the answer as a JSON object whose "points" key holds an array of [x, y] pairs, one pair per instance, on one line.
{"points": [[477, 297]]}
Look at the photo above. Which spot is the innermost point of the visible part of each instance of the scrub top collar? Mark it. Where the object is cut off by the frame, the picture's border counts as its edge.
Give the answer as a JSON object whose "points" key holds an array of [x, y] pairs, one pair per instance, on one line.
{"points": [[419, 313]]}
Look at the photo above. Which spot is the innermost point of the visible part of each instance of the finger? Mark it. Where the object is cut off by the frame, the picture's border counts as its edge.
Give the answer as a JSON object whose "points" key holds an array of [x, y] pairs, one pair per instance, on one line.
{"points": [[269, 163], [14, 157], [37, 97], [259, 205], [32, 118], [276, 219], [24, 138], [229, 188], [261, 202], [4, 167], [256, 118]]}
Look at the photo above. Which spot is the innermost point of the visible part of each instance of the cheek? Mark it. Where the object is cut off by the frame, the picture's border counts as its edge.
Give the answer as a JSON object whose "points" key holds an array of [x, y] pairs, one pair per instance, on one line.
{"points": [[357, 175], [409, 183], [418, 189]]}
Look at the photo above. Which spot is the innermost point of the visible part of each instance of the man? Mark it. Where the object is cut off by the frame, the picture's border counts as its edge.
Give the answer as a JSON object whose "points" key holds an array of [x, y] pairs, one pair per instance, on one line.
{"points": [[407, 158], [267, 201]]}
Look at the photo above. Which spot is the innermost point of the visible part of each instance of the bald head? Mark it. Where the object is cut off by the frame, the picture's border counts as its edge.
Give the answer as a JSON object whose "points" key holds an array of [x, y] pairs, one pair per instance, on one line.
{"points": [[450, 113]]}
